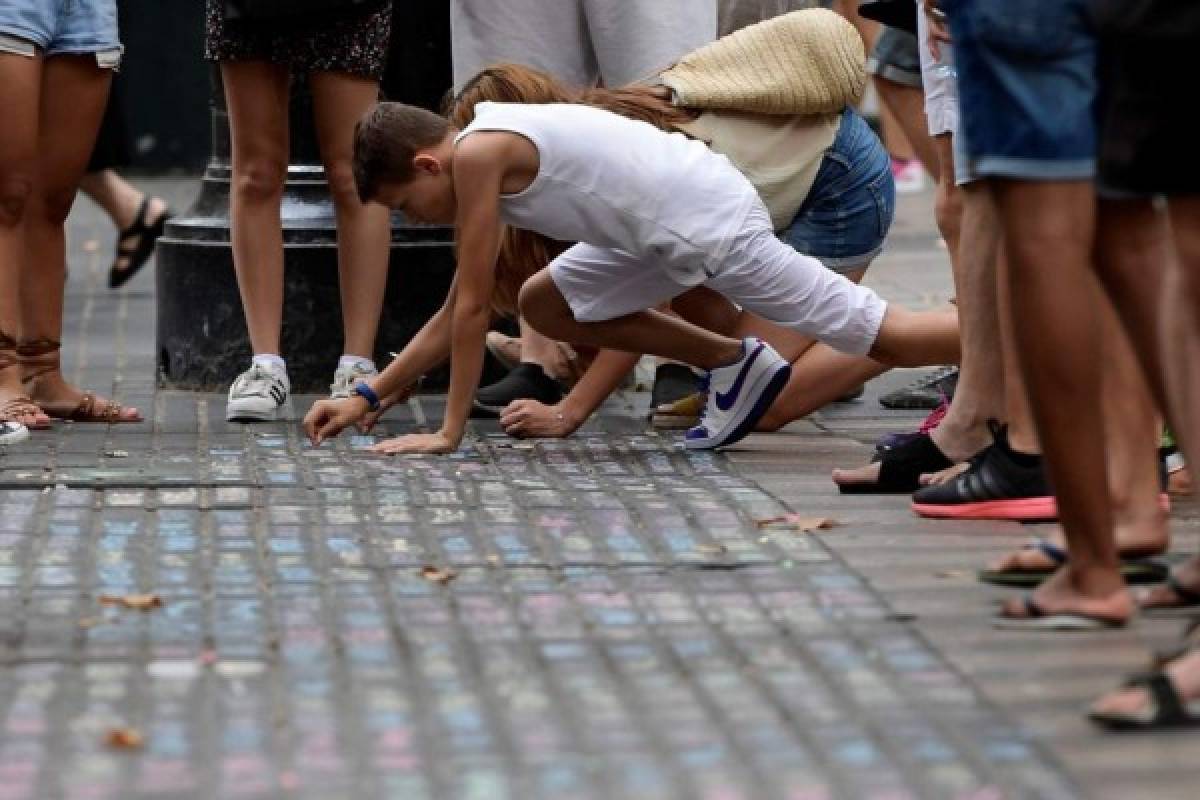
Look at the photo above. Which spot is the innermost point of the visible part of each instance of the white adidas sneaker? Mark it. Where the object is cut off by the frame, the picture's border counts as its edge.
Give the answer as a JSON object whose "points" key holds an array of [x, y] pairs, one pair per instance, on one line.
{"points": [[258, 394], [347, 377], [12, 432]]}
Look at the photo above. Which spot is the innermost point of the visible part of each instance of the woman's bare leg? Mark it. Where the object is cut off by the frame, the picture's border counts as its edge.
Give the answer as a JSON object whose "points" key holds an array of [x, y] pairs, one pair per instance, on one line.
{"points": [[364, 231], [20, 89], [256, 94], [74, 92]]}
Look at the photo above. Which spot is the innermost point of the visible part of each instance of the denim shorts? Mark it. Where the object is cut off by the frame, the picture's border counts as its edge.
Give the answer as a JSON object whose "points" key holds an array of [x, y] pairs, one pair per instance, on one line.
{"points": [[1027, 86], [849, 209], [896, 57], [61, 27]]}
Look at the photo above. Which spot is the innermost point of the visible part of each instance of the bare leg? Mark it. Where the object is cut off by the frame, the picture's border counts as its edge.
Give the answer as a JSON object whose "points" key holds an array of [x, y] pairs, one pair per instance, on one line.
{"points": [[546, 353], [1049, 228], [914, 339], [20, 88], [1183, 338], [963, 431], [119, 198], [74, 91], [256, 94], [1180, 352], [1132, 426], [907, 106], [364, 231], [544, 307], [948, 202]]}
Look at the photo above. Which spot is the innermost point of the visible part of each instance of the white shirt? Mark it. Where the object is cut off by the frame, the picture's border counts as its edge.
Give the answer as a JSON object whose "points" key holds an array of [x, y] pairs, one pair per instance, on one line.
{"points": [[623, 184]]}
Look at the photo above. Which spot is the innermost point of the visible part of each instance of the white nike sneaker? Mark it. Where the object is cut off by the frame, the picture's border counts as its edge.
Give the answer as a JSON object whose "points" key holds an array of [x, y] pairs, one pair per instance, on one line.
{"points": [[258, 394], [739, 395], [12, 432], [345, 379]]}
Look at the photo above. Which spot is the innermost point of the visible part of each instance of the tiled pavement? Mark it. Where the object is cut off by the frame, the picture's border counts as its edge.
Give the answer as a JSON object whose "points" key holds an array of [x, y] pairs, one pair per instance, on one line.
{"points": [[618, 624]]}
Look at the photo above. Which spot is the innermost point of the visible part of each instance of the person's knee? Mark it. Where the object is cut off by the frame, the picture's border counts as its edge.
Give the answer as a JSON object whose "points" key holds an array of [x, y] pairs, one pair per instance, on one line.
{"points": [[260, 178], [540, 305], [15, 191], [948, 209], [342, 187]]}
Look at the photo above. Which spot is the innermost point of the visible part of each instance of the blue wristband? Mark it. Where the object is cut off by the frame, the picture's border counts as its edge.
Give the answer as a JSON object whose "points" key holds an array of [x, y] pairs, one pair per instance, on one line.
{"points": [[368, 394]]}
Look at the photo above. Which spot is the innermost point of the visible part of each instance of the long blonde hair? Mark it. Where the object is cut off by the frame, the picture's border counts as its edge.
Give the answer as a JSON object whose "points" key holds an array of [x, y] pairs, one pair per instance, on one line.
{"points": [[522, 252]]}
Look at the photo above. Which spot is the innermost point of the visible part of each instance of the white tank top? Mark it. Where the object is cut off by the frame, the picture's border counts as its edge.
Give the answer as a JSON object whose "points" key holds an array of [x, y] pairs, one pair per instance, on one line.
{"points": [[623, 184]]}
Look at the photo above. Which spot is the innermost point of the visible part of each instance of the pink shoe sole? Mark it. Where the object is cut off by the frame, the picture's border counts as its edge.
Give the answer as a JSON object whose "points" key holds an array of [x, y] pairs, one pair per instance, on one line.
{"points": [[1027, 509]]}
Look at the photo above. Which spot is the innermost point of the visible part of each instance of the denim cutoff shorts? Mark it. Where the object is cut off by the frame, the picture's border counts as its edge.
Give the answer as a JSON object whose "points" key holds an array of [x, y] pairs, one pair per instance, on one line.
{"points": [[849, 209], [61, 27], [896, 57], [1027, 86]]}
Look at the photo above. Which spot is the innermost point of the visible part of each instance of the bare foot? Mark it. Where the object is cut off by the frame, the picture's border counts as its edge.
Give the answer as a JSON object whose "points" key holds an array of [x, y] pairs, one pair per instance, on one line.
{"points": [[1184, 674], [944, 476], [62, 401], [1179, 482], [15, 406], [1186, 576], [859, 475], [1106, 597], [1138, 535]]}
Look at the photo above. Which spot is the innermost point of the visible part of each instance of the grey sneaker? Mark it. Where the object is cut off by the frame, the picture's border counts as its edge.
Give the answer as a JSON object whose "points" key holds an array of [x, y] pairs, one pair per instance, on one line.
{"points": [[927, 392], [258, 394], [346, 378]]}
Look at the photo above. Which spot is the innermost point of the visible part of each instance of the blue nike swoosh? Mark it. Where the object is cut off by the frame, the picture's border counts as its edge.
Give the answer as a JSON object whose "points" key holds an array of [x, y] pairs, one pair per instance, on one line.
{"points": [[726, 401]]}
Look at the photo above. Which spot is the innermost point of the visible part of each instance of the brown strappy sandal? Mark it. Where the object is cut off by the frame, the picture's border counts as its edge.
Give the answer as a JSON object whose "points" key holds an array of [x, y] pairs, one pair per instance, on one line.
{"points": [[19, 409], [40, 357]]}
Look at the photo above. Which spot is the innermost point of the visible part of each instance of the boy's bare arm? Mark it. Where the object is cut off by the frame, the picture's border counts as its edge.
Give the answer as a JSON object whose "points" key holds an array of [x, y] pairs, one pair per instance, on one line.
{"points": [[479, 167], [428, 348]]}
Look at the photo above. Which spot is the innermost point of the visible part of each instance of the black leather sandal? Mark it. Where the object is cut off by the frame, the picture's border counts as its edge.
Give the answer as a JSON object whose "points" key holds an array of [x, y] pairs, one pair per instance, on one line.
{"points": [[136, 243]]}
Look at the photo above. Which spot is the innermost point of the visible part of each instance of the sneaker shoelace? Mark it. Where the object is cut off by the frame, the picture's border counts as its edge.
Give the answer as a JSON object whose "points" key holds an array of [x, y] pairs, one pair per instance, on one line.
{"points": [[935, 417], [257, 381], [345, 380]]}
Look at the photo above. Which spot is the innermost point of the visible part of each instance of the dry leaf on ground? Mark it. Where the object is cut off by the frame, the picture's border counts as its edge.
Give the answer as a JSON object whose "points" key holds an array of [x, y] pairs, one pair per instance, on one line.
{"points": [[439, 576], [137, 602], [124, 739], [797, 523]]}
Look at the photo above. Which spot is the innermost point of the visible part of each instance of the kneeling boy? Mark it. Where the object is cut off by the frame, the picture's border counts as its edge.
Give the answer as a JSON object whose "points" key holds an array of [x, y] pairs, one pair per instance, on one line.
{"points": [[654, 214]]}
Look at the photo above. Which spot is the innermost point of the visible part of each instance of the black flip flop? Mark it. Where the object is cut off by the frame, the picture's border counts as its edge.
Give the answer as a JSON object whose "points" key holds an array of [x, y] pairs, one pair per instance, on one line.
{"points": [[145, 233], [1039, 619], [1133, 570], [1167, 710], [901, 468]]}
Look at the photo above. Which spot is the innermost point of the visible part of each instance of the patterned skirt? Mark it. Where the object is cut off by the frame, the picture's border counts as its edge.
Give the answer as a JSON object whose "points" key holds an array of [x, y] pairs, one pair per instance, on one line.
{"points": [[357, 45]]}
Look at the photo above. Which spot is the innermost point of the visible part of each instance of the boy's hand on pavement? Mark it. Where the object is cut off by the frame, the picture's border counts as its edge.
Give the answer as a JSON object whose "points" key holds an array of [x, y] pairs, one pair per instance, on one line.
{"points": [[529, 418], [436, 443], [327, 418]]}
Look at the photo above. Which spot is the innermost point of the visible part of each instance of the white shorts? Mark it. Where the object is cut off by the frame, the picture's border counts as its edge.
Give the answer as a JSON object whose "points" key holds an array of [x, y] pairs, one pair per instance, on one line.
{"points": [[761, 274], [938, 78], [580, 42]]}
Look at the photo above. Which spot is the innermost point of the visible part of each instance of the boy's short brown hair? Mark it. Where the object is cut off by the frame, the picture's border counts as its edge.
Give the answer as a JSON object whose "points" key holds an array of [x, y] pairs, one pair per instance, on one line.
{"points": [[385, 141]]}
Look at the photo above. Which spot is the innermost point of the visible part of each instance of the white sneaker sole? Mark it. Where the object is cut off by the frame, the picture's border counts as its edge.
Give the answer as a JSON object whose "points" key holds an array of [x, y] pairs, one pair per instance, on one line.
{"points": [[766, 387], [250, 415]]}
